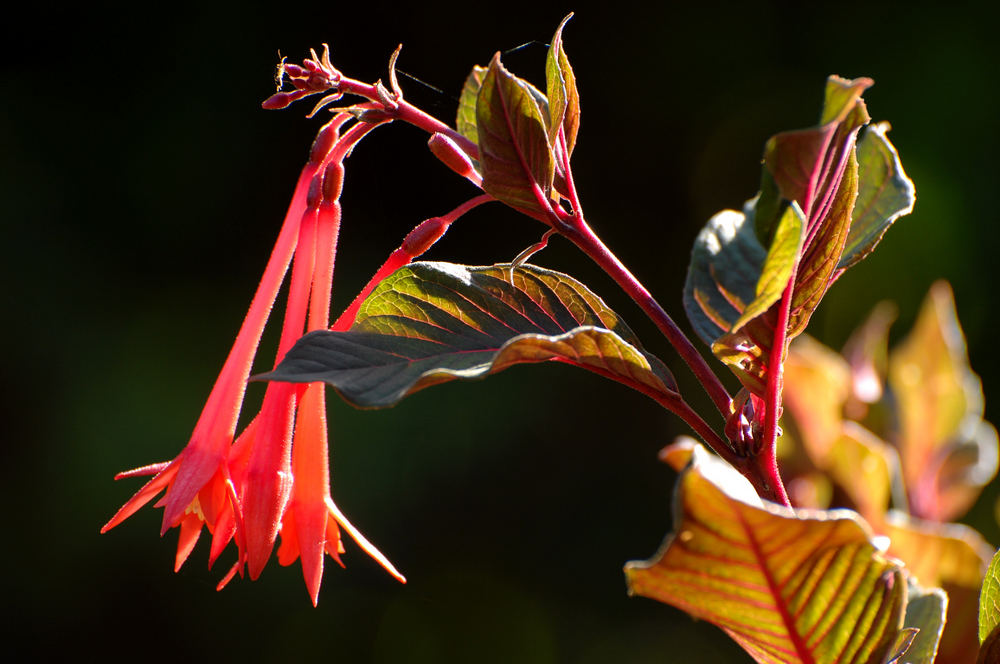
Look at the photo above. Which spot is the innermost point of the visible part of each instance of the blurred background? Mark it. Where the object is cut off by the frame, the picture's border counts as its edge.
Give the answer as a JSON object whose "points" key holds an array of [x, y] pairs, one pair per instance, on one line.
{"points": [[141, 188]]}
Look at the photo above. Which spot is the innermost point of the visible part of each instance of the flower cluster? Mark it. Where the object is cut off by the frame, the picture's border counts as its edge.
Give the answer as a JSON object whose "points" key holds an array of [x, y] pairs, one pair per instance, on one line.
{"points": [[251, 486]]}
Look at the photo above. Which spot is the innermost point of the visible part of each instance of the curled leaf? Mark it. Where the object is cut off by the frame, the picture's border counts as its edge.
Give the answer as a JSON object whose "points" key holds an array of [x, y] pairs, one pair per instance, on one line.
{"points": [[787, 586], [885, 194]]}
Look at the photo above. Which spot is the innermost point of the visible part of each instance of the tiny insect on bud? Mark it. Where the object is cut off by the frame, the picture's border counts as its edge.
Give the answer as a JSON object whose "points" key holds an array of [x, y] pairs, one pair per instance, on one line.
{"points": [[451, 155]]}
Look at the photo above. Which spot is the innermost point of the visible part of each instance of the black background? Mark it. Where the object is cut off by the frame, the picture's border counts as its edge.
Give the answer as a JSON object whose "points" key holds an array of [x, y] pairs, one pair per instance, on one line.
{"points": [[142, 186]]}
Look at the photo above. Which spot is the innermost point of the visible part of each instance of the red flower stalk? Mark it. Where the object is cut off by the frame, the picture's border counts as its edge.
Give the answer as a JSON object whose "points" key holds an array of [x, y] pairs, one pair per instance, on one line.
{"points": [[250, 487]]}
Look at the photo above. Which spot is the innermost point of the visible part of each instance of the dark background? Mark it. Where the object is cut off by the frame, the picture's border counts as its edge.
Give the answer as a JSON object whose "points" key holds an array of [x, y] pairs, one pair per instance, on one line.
{"points": [[142, 186]]}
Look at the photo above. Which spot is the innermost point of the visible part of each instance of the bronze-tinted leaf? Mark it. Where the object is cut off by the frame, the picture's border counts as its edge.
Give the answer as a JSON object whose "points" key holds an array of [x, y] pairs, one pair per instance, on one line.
{"points": [[514, 150], [787, 586], [948, 453], [951, 556], [429, 323]]}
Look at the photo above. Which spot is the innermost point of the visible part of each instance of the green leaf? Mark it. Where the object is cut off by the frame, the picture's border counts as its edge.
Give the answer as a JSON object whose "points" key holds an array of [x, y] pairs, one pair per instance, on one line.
{"points": [[514, 147], [925, 611], [429, 323], [778, 266], [560, 88], [787, 586], [885, 194], [948, 452], [726, 264], [465, 121], [814, 170], [951, 556], [747, 345], [989, 600]]}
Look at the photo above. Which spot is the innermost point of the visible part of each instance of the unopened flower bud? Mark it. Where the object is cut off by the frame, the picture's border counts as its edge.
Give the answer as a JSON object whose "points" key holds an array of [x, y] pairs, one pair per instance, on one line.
{"points": [[423, 237], [451, 155], [277, 101], [323, 143], [333, 181]]}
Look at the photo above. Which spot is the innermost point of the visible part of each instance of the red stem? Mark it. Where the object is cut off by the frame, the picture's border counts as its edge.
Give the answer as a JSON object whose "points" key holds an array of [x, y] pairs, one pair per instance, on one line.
{"points": [[409, 113], [766, 455], [580, 234]]}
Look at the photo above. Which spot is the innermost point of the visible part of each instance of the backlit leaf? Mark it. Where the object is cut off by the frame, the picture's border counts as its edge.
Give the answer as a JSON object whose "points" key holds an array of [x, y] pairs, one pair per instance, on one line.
{"points": [[947, 555], [948, 453], [816, 171], [778, 265], [560, 87], [807, 164], [429, 323], [989, 600], [787, 586], [514, 148], [863, 466], [465, 121], [925, 611], [885, 194], [726, 264]]}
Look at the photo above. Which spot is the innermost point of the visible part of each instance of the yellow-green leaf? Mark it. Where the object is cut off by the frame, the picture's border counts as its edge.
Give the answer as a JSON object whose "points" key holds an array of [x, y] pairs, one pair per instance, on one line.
{"points": [[947, 555], [560, 87], [989, 600], [778, 265], [430, 323], [465, 121], [788, 586]]}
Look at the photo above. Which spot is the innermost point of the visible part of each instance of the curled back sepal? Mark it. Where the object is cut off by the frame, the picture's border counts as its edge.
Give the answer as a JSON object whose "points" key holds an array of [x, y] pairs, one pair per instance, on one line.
{"points": [[429, 323], [790, 586], [843, 206]]}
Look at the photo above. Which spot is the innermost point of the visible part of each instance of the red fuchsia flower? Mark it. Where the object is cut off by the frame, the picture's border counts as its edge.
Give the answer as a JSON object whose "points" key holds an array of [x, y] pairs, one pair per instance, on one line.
{"points": [[251, 487], [273, 478]]}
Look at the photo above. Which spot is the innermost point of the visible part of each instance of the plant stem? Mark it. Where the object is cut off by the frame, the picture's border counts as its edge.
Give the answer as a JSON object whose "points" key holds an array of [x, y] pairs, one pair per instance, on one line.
{"points": [[580, 234], [765, 455], [409, 113]]}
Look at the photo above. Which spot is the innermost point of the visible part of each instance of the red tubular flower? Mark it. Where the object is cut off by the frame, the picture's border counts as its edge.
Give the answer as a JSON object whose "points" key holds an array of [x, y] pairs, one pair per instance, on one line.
{"points": [[274, 477]]}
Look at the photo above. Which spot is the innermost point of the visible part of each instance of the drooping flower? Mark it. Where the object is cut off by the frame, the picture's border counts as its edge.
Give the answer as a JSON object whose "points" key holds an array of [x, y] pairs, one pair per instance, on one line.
{"points": [[274, 476]]}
